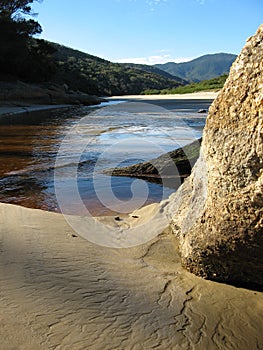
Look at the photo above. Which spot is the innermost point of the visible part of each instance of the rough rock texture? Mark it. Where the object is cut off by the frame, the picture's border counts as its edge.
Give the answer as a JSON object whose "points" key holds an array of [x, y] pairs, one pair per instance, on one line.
{"points": [[219, 216]]}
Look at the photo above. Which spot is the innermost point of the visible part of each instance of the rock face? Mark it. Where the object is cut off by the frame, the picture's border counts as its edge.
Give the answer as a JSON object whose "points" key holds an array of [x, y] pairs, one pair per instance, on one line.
{"points": [[170, 169], [219, 208]]}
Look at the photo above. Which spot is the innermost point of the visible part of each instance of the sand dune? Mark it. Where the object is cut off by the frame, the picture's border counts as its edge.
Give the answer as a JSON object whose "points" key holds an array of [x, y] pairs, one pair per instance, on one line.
{"points": [[59, 291]]}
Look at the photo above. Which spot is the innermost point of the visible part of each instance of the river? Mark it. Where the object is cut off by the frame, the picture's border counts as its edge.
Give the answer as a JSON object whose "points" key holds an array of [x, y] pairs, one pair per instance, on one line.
{"points": [[75, 147]]}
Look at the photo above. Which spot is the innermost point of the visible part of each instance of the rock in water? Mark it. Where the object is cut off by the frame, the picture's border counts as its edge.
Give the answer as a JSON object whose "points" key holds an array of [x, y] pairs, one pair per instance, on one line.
{"points": [[219, 209]]}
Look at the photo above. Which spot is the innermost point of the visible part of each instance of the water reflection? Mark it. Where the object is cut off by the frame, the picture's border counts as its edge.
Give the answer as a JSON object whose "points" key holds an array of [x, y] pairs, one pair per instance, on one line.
{"points": [[28, 154]]}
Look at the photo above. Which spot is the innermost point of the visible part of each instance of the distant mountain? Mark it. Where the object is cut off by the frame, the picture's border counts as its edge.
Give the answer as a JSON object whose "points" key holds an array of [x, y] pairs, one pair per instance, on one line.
{"points": [[202, 68], [94, 75]]}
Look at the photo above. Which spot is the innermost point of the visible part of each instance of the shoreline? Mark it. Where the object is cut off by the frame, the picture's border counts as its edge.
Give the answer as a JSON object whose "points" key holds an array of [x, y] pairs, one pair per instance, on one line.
{"points": [[12, 109], [191, 96], [36, 113], [8, 112], [14, 114]]}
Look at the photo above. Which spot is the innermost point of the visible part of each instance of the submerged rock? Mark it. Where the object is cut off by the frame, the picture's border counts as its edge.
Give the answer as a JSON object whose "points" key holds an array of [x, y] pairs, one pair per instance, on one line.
{"points": [[170, 169], [218, 211], [202, 111]]}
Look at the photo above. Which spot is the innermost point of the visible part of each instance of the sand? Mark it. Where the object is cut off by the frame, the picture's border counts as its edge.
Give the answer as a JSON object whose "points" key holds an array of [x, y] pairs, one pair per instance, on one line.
{"points": [[11, 112], [209, 95], [59, 291], [14, 110]]}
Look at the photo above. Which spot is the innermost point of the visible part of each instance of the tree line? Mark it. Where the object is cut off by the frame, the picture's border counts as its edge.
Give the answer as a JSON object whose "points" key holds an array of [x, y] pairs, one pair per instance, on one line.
{"points": [[23, 57]]}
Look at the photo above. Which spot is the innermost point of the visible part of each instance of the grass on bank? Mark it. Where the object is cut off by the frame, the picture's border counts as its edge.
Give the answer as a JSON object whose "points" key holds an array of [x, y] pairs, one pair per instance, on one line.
{"points": [[214, 84]]}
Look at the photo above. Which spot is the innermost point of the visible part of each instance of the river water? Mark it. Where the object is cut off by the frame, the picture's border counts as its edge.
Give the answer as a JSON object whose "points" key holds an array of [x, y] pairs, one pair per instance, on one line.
{"points": [[44, 163]]}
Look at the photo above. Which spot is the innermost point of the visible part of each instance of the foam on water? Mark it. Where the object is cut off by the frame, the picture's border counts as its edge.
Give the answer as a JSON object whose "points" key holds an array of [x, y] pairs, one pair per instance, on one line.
{"points": [[120, 134]]}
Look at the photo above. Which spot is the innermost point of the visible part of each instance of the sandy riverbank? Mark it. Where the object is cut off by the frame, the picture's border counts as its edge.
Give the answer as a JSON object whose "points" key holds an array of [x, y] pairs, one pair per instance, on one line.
{"points": [[193, 96], [12, 112], [59, 291], [177, 102], [18, 114]]}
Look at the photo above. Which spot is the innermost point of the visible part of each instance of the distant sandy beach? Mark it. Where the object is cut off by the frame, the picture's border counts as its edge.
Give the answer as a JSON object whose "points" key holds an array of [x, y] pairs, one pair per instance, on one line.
{"points": [[10, 111], [171, 102], [193, 96]]}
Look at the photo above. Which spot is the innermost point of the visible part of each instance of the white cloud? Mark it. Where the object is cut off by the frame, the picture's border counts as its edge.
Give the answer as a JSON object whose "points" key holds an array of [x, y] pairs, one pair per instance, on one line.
{"points": [[158, 59], [154, 3]]}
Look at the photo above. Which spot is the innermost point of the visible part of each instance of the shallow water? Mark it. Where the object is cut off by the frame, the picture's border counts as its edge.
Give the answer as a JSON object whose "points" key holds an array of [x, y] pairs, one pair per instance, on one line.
{"points": [[77, 146]]}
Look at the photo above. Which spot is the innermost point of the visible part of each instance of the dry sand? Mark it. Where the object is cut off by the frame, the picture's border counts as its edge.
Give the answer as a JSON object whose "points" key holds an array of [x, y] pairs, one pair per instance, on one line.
{"points": [[59, 291], [193, 96]]}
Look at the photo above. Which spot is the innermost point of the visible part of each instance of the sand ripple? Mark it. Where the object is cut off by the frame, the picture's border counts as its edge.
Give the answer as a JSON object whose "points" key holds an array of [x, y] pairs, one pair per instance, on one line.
{"points": [[59, 291]]}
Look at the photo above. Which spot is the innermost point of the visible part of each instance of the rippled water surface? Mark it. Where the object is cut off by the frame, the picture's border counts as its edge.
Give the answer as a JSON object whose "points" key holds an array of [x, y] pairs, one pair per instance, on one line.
{"points": [[78, 146]]}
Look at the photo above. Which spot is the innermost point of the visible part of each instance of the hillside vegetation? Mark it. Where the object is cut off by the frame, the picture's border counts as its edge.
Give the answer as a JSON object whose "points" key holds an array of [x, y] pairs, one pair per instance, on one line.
{"points": [[155, 70], [22, 57], [202, 68], [30, 60], [94, 75], [214, 84]]}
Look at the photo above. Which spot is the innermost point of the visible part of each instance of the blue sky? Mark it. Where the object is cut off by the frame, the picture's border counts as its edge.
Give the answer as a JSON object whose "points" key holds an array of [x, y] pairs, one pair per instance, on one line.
{"points": [[150, 31]]}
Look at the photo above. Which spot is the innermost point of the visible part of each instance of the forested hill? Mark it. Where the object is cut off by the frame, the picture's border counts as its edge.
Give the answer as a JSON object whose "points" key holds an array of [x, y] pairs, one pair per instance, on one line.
{"points": [[93, 75], [30, 60], [155, 70], [202, 68]]}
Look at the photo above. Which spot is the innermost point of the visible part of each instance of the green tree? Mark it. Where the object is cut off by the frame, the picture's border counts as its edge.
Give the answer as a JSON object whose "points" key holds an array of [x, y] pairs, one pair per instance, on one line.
{"points": [[12, 20], [22, 56], [15, 8]]}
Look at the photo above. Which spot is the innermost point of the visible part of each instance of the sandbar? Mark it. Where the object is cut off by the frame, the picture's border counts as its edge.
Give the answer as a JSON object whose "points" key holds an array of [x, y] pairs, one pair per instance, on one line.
{"points": [[209, 95]]}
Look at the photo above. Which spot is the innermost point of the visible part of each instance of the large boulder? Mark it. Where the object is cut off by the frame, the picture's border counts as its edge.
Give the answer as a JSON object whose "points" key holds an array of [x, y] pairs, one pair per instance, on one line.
{"points": [[218, 211]]}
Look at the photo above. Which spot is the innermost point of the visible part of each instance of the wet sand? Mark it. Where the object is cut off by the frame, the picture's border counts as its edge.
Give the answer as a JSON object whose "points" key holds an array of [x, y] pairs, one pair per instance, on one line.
{"points": [[200, 100]]}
